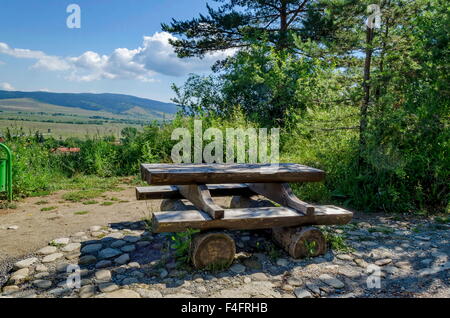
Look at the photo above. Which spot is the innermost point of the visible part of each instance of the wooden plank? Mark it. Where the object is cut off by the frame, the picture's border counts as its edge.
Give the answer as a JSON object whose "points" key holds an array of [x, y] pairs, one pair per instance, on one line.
{"points": [[169, 174], [331, 215], [281, 193], [157, 192], [171, 192], [247, 219], [199, 195]]}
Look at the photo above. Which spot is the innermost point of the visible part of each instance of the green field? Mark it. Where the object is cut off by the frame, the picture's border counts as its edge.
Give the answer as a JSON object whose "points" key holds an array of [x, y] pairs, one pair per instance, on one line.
{"points": [[29, 116], [62, 131]]}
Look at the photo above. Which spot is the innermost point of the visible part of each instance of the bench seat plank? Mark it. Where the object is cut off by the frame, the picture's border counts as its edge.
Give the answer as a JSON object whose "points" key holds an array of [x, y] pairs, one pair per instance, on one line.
{"points": [[248, 219], [171, 192], [186, 173]]}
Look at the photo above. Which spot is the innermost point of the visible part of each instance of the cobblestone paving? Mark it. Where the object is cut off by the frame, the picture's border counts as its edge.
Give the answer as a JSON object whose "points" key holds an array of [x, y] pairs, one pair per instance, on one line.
{"points": [[389, 257]]}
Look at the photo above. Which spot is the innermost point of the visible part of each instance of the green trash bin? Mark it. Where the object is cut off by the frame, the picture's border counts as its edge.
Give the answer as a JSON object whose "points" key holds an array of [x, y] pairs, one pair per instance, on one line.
{"points": [[2, 175], [6, 171]]}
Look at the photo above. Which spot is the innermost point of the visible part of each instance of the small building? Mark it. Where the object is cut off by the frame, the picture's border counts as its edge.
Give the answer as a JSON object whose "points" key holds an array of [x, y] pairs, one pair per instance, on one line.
{"points": [[66, 150]]}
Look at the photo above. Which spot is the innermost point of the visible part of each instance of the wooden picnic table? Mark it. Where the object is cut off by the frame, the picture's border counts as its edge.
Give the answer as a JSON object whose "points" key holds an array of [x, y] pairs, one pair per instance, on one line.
{"points": [[199, 183]]}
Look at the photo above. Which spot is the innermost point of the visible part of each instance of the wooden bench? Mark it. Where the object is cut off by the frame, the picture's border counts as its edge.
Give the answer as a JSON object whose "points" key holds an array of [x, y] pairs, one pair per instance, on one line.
{"points": [[235, 219], [171, 192], [248, 219]]}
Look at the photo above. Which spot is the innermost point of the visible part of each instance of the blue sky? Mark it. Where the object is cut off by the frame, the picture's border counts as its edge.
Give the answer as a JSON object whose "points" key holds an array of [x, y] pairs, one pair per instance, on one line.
{"points": [[119, 48]]}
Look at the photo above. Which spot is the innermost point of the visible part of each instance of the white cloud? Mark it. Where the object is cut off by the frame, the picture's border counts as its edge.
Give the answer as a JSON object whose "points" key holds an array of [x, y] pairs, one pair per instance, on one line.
{"points": [[52, 63], [154, 56], [6, 87], [158, 55]]}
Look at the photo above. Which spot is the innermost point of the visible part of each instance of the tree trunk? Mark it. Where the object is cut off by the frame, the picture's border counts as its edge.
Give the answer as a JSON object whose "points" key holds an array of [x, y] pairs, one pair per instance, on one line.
{"points": [[282, 43], [366, 87]]}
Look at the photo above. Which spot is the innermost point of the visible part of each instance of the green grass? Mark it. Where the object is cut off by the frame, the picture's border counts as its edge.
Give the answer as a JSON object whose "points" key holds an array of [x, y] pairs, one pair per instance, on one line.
{"points": [[417, 229], [90, 202], [107, 203], [337, 242], [7, 205], [311, 248], [88, 182], [81, 212], [40, 193], [442, 219], [49, 208], [78, 196], [270, 249], [69, 122], [181, 243]]}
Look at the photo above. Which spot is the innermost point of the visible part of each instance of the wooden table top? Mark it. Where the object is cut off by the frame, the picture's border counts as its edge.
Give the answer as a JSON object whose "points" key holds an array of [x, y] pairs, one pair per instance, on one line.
{"points": [[173, 174]]}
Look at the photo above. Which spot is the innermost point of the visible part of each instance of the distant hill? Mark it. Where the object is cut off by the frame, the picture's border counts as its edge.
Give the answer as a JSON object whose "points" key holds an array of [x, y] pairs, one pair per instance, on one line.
{"points": [[112, 103]]}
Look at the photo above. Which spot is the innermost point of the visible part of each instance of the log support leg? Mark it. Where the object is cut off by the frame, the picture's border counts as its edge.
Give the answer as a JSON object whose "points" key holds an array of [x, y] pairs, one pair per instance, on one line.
{"points": [[281, 193], [300, 242], [200, 196], [214, 250]]}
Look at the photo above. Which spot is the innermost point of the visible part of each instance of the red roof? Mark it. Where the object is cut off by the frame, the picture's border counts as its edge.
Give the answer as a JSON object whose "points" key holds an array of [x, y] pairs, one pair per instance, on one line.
{"points": [[63, 149]]}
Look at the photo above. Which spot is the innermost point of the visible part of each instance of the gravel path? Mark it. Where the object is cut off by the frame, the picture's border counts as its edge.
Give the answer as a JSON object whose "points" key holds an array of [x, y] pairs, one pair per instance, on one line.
{"points": [[390, 257]]}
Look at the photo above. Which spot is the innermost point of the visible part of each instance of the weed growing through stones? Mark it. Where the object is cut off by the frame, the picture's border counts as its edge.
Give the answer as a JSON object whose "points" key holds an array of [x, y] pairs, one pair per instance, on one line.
{"points": [[181, 243], [270, 249], [381, 229], [148, 225], [442, 219], [336, 242], [53, 243]]}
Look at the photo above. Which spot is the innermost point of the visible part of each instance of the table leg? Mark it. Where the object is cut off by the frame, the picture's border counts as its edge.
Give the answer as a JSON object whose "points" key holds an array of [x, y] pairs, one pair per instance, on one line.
{"points": [[281, 193], [200, 196]]}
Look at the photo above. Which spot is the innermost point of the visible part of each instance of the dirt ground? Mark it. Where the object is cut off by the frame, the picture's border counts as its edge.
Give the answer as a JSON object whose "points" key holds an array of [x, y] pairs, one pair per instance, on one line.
{"points": [[36, 228]]}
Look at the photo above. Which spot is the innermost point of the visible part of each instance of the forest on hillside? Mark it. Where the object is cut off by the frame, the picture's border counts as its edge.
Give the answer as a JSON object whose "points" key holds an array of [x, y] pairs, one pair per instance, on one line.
{"points": [[358, 90]]}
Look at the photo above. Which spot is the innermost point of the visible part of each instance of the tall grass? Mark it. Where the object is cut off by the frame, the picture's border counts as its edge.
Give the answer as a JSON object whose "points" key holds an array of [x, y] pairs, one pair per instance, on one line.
{"points": [[314, 140]]}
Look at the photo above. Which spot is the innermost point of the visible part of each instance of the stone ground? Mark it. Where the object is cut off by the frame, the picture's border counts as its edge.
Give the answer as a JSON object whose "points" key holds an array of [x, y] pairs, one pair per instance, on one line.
{"points": [[408, 257]]}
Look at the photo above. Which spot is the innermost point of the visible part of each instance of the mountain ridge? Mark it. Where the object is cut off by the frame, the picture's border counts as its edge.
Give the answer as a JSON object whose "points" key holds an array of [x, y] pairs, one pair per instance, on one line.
{"points": [[115, 103]]}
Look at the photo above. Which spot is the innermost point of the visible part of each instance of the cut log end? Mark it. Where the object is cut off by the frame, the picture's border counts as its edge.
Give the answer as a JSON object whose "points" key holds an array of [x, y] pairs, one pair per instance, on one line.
{"points": [[300, 242], [212, 250]]}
